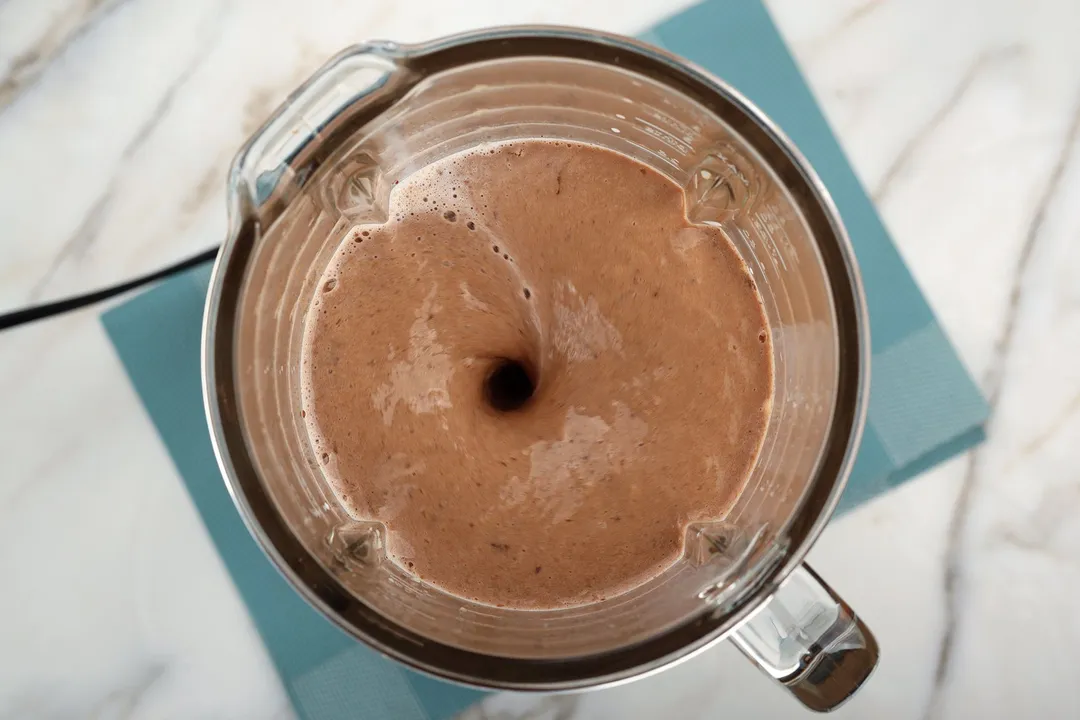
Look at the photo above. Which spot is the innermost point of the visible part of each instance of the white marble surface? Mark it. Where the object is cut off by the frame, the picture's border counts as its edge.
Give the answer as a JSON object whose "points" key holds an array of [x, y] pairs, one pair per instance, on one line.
{"points": [[117, 121]]}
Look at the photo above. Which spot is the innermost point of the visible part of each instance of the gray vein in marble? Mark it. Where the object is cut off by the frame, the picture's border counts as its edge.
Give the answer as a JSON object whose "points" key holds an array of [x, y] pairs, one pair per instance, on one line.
{"points": [[855, 15], [87, 232], [993, 383], [29, 65], [985, 61], [123, 702], [1052, 428], [83, 236], [848, 21], [1056, 508]]}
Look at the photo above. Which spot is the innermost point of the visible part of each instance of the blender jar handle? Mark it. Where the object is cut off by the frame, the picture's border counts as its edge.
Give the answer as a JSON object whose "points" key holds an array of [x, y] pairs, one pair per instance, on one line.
{"points": [[333, 103], [810, 641]]}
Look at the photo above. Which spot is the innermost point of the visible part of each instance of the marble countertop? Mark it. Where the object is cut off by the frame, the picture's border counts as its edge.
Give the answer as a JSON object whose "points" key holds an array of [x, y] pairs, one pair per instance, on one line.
{"points": [[118, 119]]}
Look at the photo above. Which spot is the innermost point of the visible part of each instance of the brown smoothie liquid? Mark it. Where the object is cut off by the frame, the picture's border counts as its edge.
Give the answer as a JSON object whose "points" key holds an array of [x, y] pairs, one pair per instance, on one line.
{"points": [[536, 373]]}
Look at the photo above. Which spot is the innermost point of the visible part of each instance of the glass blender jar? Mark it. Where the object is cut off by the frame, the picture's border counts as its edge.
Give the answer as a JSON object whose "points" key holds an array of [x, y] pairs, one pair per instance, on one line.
{"points": [[325, 162]]}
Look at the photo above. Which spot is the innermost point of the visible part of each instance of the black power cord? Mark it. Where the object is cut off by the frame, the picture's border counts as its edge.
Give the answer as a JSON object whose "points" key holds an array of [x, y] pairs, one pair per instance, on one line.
{"points": [[40, 312]]}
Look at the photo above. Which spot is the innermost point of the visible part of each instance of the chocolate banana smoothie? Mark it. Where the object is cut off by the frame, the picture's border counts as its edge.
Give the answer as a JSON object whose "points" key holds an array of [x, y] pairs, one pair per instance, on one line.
{"points": [[536, 373]]}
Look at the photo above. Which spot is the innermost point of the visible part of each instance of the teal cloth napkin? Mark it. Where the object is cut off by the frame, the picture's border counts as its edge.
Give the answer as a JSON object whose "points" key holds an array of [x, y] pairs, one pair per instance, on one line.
{"points": [[924, 407]]}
